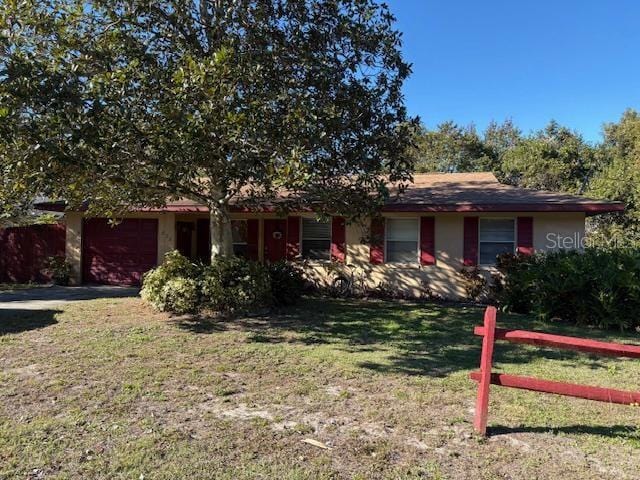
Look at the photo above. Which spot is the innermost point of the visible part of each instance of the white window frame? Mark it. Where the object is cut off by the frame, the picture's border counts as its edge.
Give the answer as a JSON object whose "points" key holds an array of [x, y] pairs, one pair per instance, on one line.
{"points": [[302, 239], [515, 237], [386, 238]]}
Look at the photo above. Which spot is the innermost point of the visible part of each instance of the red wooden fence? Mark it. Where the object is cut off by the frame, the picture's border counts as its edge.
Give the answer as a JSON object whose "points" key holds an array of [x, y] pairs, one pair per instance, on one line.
{"points": [[23, 251], [485, 377]]}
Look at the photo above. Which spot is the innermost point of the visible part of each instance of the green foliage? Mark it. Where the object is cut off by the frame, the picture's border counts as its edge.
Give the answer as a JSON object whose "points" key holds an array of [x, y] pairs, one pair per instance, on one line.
{"points": [[59, 269], [594, 287], [287, 282], [175, 266], [179, 295], [126, 104], [473, 282], [229, 284], [235, 284], [620, 180], [555, 158]]}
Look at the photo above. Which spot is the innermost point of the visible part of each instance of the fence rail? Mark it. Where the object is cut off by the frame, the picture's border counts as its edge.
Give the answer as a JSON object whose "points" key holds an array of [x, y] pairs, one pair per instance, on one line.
{"points": [[485, 377]]}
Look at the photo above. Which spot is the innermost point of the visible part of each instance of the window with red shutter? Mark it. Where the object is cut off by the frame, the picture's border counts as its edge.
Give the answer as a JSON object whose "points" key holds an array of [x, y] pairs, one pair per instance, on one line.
{"points": [[427, 241]]}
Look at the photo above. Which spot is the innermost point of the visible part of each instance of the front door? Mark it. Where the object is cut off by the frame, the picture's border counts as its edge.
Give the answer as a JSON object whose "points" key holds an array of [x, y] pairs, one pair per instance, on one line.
{"points": [[183, 238], [275, 239]]}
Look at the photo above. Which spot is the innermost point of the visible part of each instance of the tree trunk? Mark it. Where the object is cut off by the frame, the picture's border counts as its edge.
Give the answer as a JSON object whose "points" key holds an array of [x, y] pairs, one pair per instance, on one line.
{"points": [[220, 232]]}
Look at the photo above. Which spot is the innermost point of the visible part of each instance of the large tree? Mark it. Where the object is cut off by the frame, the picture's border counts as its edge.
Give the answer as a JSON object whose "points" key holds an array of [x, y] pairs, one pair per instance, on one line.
{"points": [[117, 104]]}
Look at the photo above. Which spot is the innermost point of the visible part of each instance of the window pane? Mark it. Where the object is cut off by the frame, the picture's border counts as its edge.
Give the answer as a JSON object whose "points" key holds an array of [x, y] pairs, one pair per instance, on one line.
{"points": [[490, 250], [404, 229], [316, 249], [311, 228], [239, 231], [497, 230], [404, 252]]}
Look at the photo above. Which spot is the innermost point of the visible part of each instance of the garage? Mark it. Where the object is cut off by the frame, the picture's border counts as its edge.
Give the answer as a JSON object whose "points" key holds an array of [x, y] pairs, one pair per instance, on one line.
{"points": [[120, 254]]}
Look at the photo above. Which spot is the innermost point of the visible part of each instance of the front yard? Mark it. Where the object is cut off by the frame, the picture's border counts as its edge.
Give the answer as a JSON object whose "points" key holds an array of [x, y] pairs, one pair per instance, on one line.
{"points": [[110, 389]]}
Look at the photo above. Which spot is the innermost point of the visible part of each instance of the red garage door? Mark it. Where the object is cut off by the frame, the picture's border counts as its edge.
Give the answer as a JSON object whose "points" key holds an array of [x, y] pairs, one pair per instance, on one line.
{"points": [[118, 255]]}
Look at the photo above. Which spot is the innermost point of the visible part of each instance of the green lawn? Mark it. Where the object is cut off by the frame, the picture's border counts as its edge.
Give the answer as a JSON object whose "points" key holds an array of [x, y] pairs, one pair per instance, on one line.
{"points": [[110, 389]]}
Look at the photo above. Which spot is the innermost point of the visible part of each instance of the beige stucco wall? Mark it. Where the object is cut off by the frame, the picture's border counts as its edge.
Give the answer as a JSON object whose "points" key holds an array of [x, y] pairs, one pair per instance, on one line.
{"points": [[73, 250], [442, 279], [549, 230]]}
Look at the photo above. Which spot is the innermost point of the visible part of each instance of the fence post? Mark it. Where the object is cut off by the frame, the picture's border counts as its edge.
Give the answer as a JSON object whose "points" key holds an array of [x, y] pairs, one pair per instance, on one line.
{"points": [[486, 360]]}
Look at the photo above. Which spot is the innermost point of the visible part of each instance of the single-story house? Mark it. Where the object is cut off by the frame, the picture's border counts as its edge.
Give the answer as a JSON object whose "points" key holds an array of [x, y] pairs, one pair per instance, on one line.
{"points": [[424, 237]]}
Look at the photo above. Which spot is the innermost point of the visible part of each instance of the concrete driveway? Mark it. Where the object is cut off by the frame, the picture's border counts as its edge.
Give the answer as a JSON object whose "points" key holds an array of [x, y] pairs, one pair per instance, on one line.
{"points": [[43, 298]]}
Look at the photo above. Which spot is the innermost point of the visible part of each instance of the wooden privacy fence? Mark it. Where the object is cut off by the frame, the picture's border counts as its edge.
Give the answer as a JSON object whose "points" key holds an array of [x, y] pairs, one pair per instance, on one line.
{"points": [[23, 251], [485, 377]]}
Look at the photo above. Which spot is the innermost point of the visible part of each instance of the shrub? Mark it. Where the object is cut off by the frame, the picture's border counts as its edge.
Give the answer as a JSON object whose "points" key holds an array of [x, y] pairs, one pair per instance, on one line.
{"points": [[287, 282], [59, 270], [174, 266], [235, 285], [473, 282], [594, 287], [179, 295], [228, 285]]}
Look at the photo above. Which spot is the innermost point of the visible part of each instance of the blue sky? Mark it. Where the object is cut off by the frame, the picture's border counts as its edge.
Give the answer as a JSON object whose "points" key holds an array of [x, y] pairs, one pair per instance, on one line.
{"points": [[577, 62]]}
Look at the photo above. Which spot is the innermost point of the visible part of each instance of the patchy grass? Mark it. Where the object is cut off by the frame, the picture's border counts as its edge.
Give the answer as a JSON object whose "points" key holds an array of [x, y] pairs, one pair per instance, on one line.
{"points": [[110, 389]]}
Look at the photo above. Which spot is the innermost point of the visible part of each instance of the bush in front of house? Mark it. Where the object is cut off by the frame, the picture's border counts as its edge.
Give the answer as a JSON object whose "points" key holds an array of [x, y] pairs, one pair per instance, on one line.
{"points": [[230, 285], [180, 295], [474, 283], [58, 269], [287, 282], [175, 266], [235, 284], [595, 287]]}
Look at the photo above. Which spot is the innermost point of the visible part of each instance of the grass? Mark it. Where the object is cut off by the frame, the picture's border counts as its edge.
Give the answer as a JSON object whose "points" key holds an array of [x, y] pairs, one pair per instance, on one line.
{"points": [[110, 389]]}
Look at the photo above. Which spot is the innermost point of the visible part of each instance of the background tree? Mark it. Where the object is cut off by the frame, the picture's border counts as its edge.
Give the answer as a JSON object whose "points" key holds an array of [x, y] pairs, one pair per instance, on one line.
{"points": [[448, 148], [620, 179], [554, 158], [126, 104]]}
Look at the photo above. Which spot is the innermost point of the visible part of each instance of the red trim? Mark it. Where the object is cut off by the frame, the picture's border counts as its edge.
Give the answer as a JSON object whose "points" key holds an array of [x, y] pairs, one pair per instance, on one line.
{"points": [[588, 208], [525, 235], [427, 241], [293, 237], [338, 239], [376, 248], [470, 235]]}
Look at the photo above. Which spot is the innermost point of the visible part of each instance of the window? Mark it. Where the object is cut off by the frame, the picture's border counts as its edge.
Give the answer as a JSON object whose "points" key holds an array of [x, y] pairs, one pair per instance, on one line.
{"points": [[316, 239], [239, 235], [497, 236], [402, 240]]}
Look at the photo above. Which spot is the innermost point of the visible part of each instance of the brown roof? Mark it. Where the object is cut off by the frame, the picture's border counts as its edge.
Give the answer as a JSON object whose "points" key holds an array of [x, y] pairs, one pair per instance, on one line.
{"points": [[483, 192], [457, 192]]}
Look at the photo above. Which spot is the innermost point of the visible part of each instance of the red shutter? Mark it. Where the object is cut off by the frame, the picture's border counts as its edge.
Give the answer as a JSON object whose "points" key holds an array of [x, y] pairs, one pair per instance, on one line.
{"points": [[293, 237], [376, 249], [427, 241], [525, 235], [252, 239], [470, 255], [338, 239]]}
